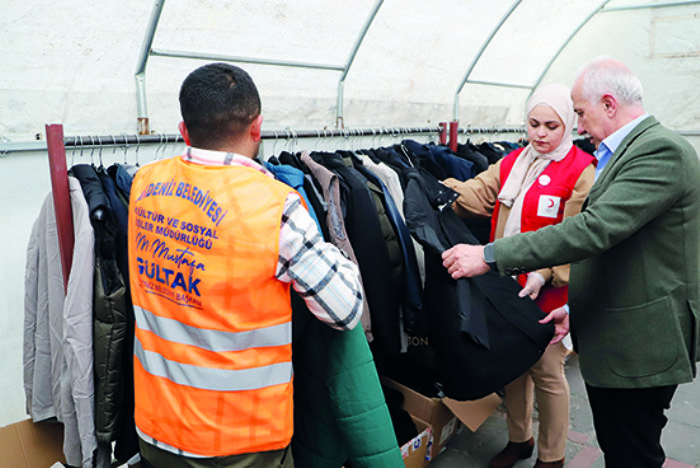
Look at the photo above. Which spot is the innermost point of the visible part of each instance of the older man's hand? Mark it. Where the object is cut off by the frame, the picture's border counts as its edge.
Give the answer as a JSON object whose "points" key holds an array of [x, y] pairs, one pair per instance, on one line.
{"points": [[465, 261]]}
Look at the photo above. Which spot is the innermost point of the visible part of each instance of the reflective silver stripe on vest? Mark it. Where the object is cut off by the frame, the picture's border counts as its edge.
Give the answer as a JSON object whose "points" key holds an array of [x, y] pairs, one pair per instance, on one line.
{"points": [[212, 340], [221, 380]]}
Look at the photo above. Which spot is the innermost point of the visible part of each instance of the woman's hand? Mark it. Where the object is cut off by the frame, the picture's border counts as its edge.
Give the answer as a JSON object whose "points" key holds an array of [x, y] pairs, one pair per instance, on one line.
{"points": [[561, 323], [532, 287]]}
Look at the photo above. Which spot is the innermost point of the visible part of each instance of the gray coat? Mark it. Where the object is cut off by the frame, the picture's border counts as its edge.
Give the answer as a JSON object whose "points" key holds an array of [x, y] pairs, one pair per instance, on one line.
{"points": [[57, 348]]}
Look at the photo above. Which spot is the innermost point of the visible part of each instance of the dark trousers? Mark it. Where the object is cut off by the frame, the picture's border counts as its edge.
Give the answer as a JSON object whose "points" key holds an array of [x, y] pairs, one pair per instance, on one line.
{"points": [[628, 424], [154, 457]]}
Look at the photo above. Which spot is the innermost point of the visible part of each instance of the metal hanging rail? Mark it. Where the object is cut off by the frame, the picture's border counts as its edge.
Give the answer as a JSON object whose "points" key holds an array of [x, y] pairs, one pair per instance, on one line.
{"points": [[92, 141], [57, 143], [123, 140], [488, 130]]}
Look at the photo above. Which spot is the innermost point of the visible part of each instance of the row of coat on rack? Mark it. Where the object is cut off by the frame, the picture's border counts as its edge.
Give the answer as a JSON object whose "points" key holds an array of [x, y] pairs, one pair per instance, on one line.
{"points": [[82, 374]]}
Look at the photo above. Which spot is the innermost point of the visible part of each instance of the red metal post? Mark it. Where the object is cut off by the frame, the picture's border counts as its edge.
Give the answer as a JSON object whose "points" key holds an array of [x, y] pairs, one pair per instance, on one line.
{"points": [[454, 127], [61, 196], [443, 133]]}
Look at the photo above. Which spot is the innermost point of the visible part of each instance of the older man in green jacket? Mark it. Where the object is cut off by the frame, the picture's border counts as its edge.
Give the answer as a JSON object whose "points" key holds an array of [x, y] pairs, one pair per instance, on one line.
{"points": [[635, 263]]}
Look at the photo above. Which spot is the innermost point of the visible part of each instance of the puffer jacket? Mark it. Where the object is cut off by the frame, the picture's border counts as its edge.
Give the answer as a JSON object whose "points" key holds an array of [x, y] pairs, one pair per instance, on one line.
{"points": [[340, 414], [110, 304]]}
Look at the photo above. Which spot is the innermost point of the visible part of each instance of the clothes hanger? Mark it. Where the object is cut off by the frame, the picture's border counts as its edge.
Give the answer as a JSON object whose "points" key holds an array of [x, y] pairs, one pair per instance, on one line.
{"points": [[274, 144], [406, 153], [114, 148], [138, 145], [126, 147], [81, 149], [99, 154], [92, 151], [72, 154]]}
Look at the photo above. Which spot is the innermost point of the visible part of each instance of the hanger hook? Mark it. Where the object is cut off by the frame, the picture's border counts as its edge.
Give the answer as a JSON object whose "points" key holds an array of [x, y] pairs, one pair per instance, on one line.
{"points": [[72, 154], [92, 149], [138, 146], [99, 154]]}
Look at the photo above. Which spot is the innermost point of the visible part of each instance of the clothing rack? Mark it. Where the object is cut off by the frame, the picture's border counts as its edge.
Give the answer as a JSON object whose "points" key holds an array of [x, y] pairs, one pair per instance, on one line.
{"points": [[57, 144], [455, 130]]}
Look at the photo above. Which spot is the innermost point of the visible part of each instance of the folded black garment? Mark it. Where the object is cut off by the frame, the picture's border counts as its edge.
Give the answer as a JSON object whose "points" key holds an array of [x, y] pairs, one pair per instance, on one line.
{"points": [[483, 334], [404, 426]]}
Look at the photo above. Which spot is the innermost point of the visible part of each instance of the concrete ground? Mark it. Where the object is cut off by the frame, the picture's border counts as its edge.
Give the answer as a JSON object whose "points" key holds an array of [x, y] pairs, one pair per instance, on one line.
{"points": [[680, 439]]}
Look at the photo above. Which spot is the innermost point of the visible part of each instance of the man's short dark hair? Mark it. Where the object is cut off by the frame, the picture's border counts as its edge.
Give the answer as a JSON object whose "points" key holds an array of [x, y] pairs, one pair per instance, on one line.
{"points": [[218, 101]]}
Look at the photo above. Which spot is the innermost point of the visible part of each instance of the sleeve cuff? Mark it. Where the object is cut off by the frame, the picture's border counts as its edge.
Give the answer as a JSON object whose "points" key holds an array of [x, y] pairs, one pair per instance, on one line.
{"points": [[490, 256]]}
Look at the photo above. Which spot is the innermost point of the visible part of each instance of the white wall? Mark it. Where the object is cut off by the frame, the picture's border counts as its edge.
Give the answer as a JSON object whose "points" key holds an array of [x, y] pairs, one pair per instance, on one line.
{"points": [[24, 183]]}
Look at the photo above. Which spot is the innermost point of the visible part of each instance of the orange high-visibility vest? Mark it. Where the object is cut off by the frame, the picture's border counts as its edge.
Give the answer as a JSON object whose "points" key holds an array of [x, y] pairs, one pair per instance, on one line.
{"points": [[212, 352]]}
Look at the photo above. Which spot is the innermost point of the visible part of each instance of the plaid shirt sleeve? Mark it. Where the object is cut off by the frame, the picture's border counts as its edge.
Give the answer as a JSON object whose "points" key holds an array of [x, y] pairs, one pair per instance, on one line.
{"points": [[325, 278]]}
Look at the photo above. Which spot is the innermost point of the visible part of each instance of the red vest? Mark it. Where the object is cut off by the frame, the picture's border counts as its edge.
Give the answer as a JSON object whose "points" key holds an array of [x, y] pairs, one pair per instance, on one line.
{"points": [[544, 205]]}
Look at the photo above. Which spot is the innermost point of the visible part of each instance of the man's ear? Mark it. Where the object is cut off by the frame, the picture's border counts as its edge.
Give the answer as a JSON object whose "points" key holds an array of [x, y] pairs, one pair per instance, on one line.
{"points": [[184, 133], [256, 128], [609, 104]]}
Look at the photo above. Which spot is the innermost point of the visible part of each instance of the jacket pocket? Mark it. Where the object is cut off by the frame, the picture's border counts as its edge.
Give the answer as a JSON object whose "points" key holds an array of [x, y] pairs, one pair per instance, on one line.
{"points": [[643, 340]]}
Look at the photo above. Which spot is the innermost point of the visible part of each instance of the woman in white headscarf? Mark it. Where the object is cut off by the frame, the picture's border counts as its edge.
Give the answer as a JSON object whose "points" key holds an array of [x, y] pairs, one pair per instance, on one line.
{"points": [[530, 188]]}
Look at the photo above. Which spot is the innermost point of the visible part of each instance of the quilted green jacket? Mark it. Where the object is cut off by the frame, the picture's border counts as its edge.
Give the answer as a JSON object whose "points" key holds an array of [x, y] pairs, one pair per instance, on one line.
{"points": [[340, 414]]}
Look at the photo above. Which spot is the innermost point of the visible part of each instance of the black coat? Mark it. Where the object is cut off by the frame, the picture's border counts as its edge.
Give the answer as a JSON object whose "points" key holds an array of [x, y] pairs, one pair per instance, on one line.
{"points": [[368, 241], [112, 313], [483, 335]]}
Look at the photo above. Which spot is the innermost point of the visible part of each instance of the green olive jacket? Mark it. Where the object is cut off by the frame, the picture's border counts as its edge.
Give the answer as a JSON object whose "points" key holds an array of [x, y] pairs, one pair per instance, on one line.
{"points": [[635, 263]]}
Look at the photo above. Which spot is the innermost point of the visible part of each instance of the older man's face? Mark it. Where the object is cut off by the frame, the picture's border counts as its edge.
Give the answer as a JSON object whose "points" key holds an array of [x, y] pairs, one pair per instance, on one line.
{"points": [[592, 119]]}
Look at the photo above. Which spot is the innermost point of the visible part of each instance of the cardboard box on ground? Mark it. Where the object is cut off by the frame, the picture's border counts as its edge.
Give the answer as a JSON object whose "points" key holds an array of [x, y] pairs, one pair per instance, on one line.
{"points": [[415, 451], [444, 416], [26, 444]]}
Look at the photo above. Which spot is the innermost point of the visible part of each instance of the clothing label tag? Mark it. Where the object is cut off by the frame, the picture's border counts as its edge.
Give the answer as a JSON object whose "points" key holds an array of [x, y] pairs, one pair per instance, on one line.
{"points": [[548, 206]]}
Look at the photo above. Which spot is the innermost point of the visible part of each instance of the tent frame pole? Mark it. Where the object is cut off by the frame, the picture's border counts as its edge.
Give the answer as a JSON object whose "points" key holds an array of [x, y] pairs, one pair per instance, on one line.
{"points": [[148, 51]]}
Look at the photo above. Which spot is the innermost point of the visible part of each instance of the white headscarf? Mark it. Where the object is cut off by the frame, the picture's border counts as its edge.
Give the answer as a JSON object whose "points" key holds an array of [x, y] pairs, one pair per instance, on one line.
{"points": [[531, 163]]}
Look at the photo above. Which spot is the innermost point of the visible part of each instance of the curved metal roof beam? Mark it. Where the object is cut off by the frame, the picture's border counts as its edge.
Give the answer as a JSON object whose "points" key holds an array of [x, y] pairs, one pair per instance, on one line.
{"points": [[147, 51], [478, 56], [602, 9], [140, 76], [650, 5], [348, 63], [563, 46]]}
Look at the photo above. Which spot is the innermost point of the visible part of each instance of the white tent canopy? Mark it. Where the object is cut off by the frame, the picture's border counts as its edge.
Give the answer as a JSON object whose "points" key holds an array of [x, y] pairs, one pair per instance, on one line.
{"points": [[387, 62], [97, 67]]}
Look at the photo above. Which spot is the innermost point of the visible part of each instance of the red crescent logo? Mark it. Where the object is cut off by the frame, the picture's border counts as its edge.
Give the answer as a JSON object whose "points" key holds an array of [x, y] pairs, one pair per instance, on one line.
{"points": [[550, 204]]}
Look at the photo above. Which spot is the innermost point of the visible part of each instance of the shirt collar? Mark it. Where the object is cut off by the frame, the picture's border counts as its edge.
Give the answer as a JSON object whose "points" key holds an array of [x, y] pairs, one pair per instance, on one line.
{"points": [[612, 142], [222, 158]]}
